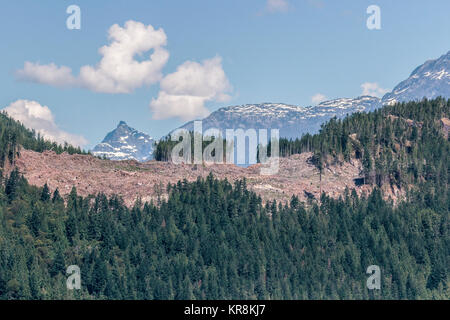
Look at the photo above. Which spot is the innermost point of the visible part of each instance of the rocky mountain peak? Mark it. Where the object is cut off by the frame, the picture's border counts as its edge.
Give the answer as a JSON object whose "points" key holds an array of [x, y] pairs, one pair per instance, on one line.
{"points": [[430, 80], [125, 143]]}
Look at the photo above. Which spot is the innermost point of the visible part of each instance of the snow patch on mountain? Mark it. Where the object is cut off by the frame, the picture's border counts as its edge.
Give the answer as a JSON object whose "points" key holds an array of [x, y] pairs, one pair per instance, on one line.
{"points": [[291, 120], [125, 143], [430, 80]]}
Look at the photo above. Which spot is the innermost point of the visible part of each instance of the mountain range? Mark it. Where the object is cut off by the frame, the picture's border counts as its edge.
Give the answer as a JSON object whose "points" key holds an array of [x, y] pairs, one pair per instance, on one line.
{"points": [[293, 121], [429, 80]]}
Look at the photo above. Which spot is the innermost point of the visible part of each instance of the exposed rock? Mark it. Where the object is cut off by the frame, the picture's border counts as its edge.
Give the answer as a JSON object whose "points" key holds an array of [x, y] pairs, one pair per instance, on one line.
{"points": [[445, 125], [125, 143]]}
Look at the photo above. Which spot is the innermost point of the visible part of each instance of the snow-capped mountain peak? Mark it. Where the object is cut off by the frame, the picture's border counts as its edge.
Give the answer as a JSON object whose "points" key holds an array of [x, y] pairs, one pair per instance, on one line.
{"points": [[125, 143], [430, 80]]}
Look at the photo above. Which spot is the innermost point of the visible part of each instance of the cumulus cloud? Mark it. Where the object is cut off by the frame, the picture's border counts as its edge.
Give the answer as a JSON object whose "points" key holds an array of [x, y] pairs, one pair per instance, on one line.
{"points": [[318, 98], [373, 89], [34, 116], [277, 6], [183, 93], [118, 71]]}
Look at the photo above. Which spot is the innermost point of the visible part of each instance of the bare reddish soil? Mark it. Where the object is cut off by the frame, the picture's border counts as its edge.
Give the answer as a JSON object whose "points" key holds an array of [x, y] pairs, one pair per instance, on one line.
{"points": [[131, 179]]}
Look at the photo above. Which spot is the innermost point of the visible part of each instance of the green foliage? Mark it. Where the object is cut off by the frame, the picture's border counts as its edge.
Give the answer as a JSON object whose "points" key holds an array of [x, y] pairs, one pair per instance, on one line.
{"points": [[163, 148], [211, 239], [400, 144], [13, 134], [214, 240]]}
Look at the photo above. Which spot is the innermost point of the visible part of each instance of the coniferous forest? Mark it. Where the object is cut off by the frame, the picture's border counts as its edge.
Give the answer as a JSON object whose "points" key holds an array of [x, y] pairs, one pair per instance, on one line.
{"points": [[213, 239]]}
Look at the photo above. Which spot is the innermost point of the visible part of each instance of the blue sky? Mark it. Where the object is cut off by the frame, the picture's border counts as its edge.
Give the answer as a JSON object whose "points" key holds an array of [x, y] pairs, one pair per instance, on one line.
{"points": [[288, 54]]}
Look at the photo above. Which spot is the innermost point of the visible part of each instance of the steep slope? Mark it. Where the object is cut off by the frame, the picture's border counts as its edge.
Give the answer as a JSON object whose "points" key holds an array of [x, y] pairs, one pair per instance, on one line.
{"points": [[125, 143], [14, 134], [430, 80]]}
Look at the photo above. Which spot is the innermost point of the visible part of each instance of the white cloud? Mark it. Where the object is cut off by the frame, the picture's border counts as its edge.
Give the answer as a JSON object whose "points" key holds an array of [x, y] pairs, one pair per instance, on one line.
{"points": [[318, 98], [34, 116], [184, 107], [49, 74], [117, 71], [277, 6], [373, 89], [183, 93]]}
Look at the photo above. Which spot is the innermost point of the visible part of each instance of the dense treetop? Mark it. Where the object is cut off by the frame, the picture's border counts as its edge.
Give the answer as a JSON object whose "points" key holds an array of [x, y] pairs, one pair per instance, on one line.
{"points": [[211, 239], [14, 134]]}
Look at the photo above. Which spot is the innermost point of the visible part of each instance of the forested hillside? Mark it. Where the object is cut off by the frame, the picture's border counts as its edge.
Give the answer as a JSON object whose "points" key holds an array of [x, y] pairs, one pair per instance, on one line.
{"points": [[212, 240], [404, 144], [13, 134], [215, 240]]}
